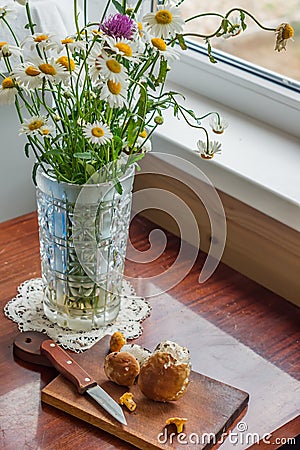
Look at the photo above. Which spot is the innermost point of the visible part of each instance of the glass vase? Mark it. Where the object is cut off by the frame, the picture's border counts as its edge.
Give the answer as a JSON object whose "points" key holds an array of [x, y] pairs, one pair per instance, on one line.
{"points": [[83, 233]]}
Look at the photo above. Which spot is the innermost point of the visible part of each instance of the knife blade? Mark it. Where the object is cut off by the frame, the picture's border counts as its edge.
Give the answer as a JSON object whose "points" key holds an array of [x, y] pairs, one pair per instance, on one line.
{"points": [[84, 383]]}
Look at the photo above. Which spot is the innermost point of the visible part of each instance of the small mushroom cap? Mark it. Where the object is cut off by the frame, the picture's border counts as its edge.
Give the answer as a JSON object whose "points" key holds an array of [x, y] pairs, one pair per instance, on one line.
{"points": [[140, 353], [180, 353], [162, 378], [117, 341], [122, 368]]}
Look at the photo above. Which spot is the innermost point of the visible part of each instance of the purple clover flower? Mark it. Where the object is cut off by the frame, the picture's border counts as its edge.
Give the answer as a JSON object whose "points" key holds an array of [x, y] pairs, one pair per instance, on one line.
{"points": [[119, 26]]}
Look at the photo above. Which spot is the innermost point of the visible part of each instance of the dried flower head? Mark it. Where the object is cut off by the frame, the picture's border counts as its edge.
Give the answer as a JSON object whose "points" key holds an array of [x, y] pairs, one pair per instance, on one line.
{"points": [[284, 32]]}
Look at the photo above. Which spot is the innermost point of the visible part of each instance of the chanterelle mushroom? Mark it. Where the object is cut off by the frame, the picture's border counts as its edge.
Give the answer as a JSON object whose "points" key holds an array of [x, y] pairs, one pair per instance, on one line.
{"points": [[178, 422], [127, 400]]}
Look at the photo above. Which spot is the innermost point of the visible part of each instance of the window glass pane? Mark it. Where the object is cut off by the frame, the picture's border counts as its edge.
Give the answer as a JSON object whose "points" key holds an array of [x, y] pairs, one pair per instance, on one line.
{"points": [[254, 44]]}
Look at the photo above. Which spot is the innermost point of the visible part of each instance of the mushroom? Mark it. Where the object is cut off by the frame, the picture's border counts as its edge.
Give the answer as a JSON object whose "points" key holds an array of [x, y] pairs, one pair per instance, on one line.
{"points": [[122, 368], [180, 353], [163, 378], [178, 422], [127, 400], [140, 353], [117, 341]]}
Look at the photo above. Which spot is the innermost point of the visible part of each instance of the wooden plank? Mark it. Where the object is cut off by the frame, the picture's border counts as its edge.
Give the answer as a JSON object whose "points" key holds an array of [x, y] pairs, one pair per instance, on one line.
{"points": [[209, 405], [257, 246]]}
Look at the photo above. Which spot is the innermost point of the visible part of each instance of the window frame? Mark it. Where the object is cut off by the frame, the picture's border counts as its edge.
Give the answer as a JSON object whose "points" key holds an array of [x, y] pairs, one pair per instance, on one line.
{"points": [[240, 85]]}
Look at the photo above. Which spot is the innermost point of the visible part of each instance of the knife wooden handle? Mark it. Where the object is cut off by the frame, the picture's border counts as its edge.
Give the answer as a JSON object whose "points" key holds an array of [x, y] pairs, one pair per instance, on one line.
{"points": [[69, 368]]}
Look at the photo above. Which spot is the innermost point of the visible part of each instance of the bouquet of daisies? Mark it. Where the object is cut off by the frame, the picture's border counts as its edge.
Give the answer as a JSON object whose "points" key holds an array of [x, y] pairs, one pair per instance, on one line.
{"points": [[88, 99]]}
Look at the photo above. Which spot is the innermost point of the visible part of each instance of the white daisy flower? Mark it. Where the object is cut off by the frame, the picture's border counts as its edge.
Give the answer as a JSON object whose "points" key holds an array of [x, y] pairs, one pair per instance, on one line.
{"points": [[28, 76], [68, 64], [145, 147], [8, 50], [33, 126], [111, 69], [142, 33], [165, 22], [124, 47], [208, 151], [8, 91], [51, 70], [234, 27], [93, 61], [218, 124], [114, 93], [45, 41], [46, 129], [167, 52], [71, 44], [97, 133]]}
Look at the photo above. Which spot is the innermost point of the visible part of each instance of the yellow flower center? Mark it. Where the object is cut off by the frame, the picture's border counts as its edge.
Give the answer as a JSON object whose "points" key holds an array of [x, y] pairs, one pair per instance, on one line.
{"points": [[114, 66], [2, 44], [41, 38], [97, 32], [67, 41], [124, 48], [35, 124], [97, 132], [115, 88], [143, 134], [159, 44], [32, 71], [288, 32], [48, 69], [163, 17], [7, 83], [67, 63], [140, 26], [45, 131]]}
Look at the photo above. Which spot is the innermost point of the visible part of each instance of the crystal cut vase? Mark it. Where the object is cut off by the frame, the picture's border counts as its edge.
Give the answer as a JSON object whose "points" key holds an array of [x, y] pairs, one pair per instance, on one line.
{"points": [[83, 236]]}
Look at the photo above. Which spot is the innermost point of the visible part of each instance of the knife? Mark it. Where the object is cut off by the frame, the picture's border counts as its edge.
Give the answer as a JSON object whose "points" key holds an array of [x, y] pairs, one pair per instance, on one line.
{"points": [[84, 383]]}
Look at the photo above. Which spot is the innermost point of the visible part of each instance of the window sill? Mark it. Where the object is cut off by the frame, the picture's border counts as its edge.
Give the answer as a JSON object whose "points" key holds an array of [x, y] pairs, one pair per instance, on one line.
{"points": [[259, 164]]}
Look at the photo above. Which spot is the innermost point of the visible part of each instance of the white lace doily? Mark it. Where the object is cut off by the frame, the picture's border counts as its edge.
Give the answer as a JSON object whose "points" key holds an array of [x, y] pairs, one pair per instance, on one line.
{"points": [[27, 310]]}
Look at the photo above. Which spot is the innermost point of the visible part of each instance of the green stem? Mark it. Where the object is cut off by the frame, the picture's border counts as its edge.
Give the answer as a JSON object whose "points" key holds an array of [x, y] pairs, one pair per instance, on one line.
{"points": [[30, 22], [76, 17], [251, 16], [105, 10], [197, 16], [137, 6], [12, 32]]}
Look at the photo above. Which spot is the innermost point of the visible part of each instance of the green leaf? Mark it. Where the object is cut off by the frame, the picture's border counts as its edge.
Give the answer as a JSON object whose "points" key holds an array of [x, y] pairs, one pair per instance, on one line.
{"points": [[209, 49], [151, 84], [162, 72], [34, 170], [132, 131], [118, 187], [90, 169], [134, 158], [26, 149], [27, 26], [84, 155], [244, 25], [118, 7], [225, 24], [181, 42]]}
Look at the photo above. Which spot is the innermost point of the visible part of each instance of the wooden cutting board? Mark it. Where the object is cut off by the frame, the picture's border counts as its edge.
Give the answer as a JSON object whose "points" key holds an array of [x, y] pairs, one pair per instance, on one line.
{"points": [[209, 405]]}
